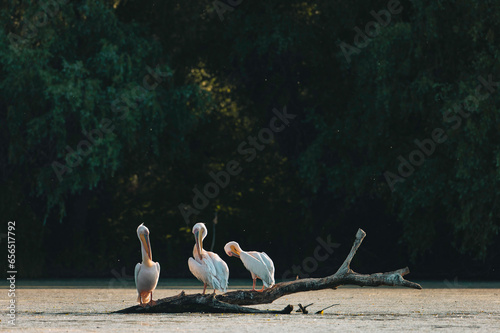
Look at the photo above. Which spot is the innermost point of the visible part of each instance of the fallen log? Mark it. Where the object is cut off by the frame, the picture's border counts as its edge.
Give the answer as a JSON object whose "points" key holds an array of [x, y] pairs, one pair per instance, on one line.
{"points": [[197, 303], [231, 302]]}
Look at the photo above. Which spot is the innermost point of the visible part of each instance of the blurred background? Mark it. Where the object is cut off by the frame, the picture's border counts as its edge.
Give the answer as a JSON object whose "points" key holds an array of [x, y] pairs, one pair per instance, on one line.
{"points": [[115, 113]]}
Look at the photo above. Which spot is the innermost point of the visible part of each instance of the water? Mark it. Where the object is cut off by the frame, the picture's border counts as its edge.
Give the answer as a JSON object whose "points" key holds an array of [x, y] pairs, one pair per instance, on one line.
{"points": [[86, 305]]}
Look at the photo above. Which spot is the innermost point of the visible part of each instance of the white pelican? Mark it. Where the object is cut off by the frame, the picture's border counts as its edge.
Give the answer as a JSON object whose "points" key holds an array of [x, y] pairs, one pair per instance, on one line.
{"points": [[207, 266], [147, 273], [258, 263]]}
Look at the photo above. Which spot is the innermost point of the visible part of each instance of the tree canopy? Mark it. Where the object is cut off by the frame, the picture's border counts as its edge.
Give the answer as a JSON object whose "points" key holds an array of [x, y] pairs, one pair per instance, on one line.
{"points": [[115, 113]]}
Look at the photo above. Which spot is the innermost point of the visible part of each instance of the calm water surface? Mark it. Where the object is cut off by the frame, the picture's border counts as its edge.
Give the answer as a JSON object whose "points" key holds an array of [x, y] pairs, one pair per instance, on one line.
{"points": [[86, 305]]}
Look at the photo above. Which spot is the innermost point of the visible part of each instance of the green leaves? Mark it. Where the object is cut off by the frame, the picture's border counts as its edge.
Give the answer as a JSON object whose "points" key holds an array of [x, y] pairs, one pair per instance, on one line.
{"points": [[168, 92], [60, 89]]}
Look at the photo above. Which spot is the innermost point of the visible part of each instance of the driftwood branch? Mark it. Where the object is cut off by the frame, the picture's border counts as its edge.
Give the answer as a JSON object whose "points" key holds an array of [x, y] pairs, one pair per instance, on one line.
{"points": [[230, 302], [196, 303]]}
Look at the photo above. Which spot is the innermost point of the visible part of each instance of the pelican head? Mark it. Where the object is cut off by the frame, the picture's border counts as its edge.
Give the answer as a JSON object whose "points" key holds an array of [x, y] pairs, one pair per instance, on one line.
{"points": [[200, 232], [233, 249], [143, 234]]}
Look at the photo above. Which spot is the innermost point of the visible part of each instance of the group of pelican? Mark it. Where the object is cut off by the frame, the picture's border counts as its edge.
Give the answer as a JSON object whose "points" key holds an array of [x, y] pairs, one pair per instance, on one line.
{"points": [[206, 266]]}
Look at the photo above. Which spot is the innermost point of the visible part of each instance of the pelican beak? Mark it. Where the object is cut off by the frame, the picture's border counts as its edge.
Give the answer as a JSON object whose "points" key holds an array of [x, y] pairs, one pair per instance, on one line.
{"points": [[234, 251], [199, 243], [147, 245]]}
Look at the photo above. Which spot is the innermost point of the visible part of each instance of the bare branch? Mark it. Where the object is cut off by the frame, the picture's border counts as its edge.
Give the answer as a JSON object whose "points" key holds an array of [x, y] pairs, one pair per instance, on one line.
{"points": [[231, 302], [196, 303], [346, 266]]}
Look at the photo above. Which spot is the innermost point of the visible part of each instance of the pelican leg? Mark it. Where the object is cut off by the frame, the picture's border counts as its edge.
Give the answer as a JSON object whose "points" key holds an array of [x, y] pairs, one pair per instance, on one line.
{"points": [[151, 302], [140, 301], [204, 288], [253, 287], [261, 289]]}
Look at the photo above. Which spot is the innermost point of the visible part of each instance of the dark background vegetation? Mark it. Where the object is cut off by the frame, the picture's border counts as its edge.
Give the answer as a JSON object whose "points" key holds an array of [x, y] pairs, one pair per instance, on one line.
{"points": [[323, 175]]}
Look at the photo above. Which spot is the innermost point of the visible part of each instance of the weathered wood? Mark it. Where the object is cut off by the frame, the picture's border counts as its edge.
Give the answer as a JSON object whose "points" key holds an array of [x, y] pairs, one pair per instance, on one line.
{"points": [[231, 302], [196, 303], [344, 275], [243, 297]]}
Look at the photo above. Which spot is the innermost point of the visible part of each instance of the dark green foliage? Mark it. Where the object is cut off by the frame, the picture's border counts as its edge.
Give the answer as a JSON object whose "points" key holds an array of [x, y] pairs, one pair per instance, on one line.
{"points": [[218, 83]]}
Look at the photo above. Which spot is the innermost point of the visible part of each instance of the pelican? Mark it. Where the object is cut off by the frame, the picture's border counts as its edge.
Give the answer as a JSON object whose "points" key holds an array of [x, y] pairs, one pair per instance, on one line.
{"points": [[207, 266], [258, 263], [147, 273]]}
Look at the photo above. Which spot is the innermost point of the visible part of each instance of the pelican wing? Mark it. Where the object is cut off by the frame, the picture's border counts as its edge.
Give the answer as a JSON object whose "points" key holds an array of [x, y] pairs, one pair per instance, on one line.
{"points": [[199, 270], [256, 264], [269, 264], [221, 269], [204, 271], [157, 266], [158, 270], [136, 272], [136, 275]]}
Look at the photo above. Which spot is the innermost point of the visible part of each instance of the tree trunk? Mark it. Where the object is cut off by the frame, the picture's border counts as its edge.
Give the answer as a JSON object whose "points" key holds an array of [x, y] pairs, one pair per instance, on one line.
{"points": [[207, 303], [231, 302]]}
